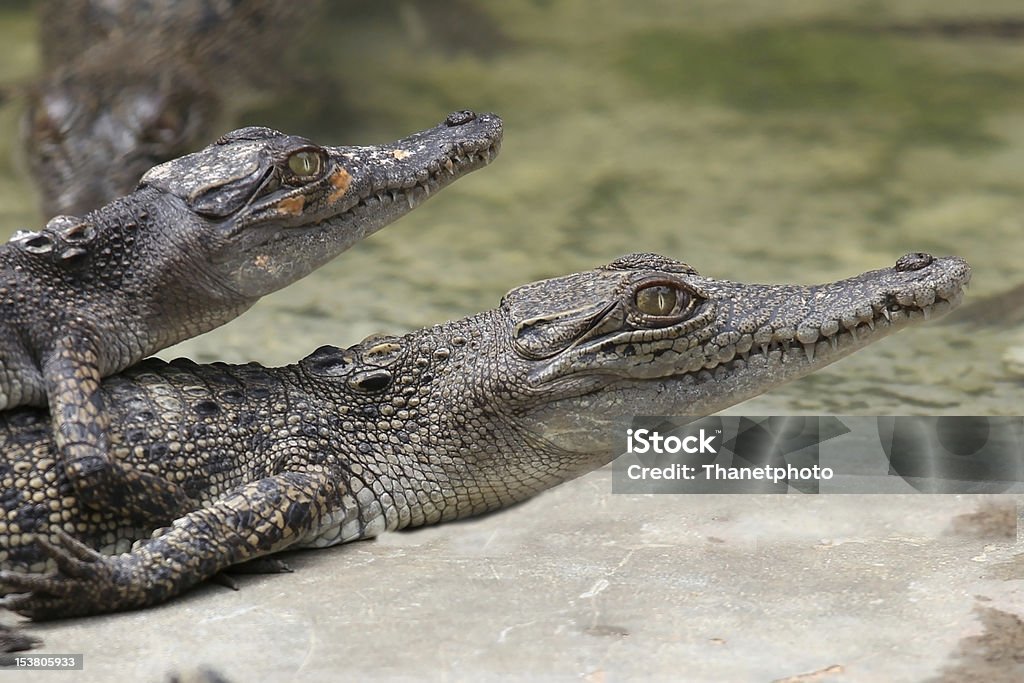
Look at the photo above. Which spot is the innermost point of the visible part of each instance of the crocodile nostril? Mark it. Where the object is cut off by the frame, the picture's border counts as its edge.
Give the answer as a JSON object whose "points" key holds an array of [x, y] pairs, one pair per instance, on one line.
{"points": [[460, 118], [38, 243], [914, 261]]}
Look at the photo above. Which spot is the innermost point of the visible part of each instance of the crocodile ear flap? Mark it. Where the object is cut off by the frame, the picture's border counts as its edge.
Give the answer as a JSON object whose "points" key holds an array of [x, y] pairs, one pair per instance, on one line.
{"points": [[545, 336], [220, 201]]}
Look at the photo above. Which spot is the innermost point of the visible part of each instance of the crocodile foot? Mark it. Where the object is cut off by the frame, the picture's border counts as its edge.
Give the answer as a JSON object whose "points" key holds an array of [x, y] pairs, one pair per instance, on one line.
{"points": [[85, 582]]}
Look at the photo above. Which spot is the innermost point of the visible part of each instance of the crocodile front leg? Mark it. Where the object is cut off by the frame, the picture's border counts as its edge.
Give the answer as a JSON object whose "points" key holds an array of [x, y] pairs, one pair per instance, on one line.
{"points": [[72, 375], [257, 519]]}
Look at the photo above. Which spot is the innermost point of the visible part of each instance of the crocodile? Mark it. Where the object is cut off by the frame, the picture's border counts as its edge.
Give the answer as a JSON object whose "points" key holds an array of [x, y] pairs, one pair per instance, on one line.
{"points": [[128, 84], [201, 240], [453, 420]]}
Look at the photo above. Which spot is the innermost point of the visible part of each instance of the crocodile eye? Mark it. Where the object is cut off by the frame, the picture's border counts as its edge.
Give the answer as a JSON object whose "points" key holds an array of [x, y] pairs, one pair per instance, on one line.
{"points": [[305, 163], [660, 300]]}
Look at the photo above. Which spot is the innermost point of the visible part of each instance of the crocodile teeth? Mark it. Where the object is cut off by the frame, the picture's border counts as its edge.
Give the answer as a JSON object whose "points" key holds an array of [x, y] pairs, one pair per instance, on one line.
{"points": [[412, 202], [449, 165], [885, 312], [809, 350], [870, 323]]}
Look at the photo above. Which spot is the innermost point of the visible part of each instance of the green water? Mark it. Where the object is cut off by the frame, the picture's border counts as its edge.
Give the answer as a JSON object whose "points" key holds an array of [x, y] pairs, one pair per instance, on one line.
{"points": [[779, 142]]}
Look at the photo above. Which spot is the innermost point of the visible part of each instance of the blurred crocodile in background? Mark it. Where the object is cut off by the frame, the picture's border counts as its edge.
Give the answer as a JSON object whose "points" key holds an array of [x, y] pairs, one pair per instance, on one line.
{"points": [[200, 241], [447, 422], [128, 84]]}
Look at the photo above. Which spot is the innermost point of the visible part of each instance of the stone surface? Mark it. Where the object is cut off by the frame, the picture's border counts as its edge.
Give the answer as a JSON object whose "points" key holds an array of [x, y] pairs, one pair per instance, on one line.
{"points": [[583, 584]]}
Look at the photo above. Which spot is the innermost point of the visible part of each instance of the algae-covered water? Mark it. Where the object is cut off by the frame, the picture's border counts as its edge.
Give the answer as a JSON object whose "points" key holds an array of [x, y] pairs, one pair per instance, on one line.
{"points": [[783, 142]]}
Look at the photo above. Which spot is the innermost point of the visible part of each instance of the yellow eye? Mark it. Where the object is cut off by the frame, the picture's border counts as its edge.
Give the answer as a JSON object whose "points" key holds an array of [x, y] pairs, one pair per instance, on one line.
{"points": [[305, 163], [659, 300]]}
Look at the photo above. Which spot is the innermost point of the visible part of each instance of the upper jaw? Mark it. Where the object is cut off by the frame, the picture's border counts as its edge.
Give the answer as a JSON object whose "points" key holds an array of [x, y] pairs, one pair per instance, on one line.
{"points": [[409, 169]]}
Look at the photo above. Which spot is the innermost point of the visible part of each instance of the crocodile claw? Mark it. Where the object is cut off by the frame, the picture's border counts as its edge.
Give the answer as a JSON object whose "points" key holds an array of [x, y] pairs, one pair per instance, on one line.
{"points": [[259, 565], [15, 640], [83, 583]]}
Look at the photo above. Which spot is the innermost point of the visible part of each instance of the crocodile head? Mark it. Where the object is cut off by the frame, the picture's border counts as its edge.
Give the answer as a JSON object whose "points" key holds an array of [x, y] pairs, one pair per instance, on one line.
{"points": [[259, 209], [647, 335]]}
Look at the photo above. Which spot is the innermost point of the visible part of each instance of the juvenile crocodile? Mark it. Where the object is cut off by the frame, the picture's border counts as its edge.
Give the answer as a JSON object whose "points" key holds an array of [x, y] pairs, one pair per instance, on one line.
{"points": [[128, 84], [200, 241], [447, 422]]}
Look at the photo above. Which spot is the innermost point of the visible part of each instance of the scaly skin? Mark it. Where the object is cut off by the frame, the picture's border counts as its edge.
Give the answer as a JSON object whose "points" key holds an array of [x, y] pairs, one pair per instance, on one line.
{"points": [[444, 423], [128, 84], [200, 241]]}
